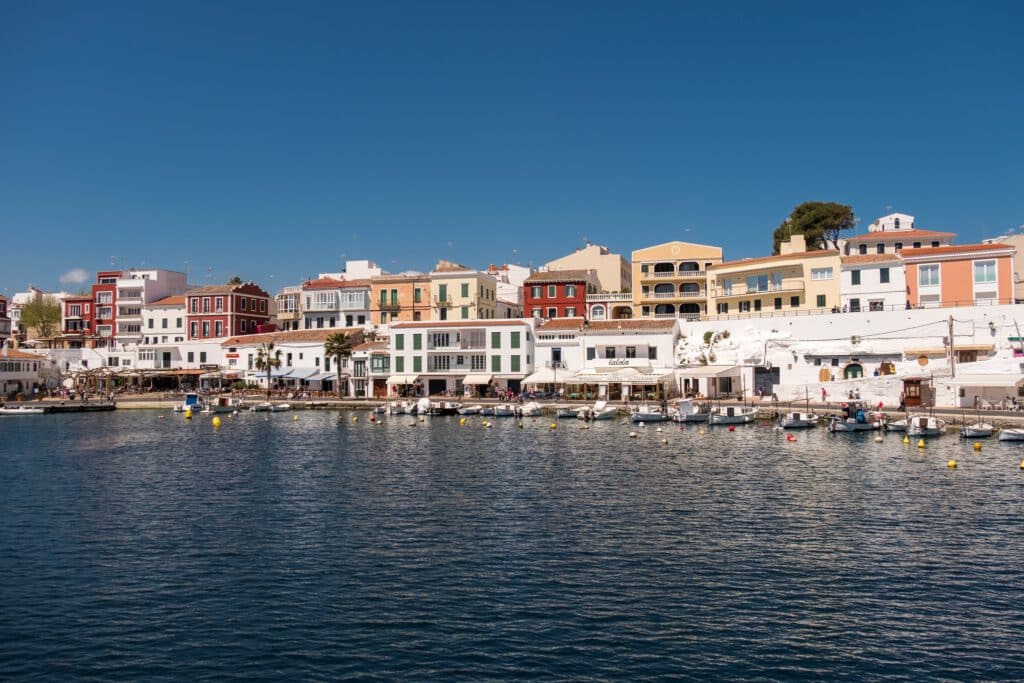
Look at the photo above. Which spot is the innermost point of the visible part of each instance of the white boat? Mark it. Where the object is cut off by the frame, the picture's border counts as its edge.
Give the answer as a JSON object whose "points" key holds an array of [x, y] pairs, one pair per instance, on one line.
{"points": [[732, 415], [381, 409], [688, 410], [569, 411], [223, 404], [192, 401], [22, 410], [443, 408], [267, 407], [470, 410], [977, 430], [798, 420], [1011, 434], [503, 410], [925, 425], [600, 411], [646, 413], [896, 426], [854, 417], [487, 411], [531, 409], [402, 407]]}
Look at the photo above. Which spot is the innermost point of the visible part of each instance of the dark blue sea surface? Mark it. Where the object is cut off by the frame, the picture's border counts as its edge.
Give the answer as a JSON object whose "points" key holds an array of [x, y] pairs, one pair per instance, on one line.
{"points": [[135, 545]]}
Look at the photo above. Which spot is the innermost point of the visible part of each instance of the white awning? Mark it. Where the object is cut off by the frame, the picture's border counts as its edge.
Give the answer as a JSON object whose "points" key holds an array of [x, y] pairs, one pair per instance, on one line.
{"points": [[402, 379], [651, 378], [477, 378], [989, 380], [303, 373], [277, 372], [322, 377], [710, 371], [648, 376], [549, 376]]}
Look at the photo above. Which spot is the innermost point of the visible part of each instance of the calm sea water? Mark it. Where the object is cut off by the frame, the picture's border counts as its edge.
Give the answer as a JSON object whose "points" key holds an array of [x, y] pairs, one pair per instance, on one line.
{"points": [[137, 546]]}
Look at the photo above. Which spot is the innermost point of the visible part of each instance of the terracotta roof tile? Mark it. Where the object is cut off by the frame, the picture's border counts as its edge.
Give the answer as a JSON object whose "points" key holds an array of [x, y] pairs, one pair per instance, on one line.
{"points": [[926, 252], [817, 253], [559, 276], [486, 322], [561, 324], [294, 336], [331, 283], [864, 259], [169, 301], [21, 355], [631, 325], [371, 346], [898, 235]]}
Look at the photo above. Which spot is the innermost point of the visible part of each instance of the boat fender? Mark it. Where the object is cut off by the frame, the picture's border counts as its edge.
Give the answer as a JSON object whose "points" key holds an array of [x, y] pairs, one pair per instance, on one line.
{"points": [[731, 428], [790, 437]]}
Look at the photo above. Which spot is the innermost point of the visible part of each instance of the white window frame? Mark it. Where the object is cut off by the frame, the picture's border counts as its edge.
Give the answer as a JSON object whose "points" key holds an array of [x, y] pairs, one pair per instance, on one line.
{"points": [[822, 273], [929, 268]]}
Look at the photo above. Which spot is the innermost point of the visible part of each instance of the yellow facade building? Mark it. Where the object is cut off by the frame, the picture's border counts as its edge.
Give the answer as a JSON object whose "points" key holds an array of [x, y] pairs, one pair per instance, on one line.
{"points": [[795, 281], [461, 293], [670, 280]]}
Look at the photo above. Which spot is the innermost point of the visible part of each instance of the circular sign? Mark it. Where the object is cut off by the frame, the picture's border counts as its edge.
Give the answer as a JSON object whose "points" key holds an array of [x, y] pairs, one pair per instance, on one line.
{"points": [[922, 360]]}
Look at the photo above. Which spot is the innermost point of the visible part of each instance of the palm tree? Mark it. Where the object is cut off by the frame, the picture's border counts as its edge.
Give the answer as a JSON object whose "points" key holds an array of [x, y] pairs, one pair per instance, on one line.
{"points": [[268, 358], [338, 346]]}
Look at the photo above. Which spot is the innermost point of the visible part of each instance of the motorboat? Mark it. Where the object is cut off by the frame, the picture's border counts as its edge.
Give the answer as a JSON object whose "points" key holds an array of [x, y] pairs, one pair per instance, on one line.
{"points": [[978, 430], [1013, 434], [192, 402], [798, 420], [503, 410], [925, 425], [854, 417], [487, 411], [268, 407], [896, 425], [223, 404], [443, 408], [470, 410], [569, 411], [646, 413], [21, 410], [402, 407], [600, 411], [531, 409], [381, 409], [732, 415], [688, 410]]}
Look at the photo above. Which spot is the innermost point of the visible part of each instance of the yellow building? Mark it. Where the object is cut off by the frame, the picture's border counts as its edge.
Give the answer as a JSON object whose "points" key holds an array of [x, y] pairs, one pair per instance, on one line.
{"points": [[669, 280], [795, 280], [460, 293]]}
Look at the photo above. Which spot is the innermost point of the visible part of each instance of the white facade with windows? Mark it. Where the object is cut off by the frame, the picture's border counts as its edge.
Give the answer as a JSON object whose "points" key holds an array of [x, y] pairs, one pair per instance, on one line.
{"points": [[873, 282], [457, 357]]}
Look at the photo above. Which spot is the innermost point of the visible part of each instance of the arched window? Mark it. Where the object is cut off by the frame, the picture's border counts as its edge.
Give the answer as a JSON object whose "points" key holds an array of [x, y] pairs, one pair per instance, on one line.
{"points": [[597, 312], [665, 309]]}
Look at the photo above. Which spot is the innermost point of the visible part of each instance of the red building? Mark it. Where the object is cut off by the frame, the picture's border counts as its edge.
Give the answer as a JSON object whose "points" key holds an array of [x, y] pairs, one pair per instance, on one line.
{"points": [[77, 320], [5, 321], [558, 293], [226, 310]]}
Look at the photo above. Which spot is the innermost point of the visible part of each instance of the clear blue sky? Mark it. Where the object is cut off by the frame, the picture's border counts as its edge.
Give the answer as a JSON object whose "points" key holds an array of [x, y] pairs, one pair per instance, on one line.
{"points": [[275, 140]]}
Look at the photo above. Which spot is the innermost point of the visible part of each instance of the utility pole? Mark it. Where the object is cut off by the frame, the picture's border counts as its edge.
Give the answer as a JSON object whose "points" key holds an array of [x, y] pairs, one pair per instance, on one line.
{"points": [[952, 350]]}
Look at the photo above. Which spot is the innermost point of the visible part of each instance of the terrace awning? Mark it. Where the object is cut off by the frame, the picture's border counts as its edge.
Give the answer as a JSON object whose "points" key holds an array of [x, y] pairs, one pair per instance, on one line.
{"points": [[549, 376], [710, 371], [477, 378], [303, 373], [402, 379], [323, 377]]}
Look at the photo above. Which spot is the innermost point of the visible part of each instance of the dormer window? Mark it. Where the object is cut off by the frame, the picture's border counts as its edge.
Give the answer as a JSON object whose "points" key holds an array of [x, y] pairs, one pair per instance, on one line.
{"points": [[897, 222]]}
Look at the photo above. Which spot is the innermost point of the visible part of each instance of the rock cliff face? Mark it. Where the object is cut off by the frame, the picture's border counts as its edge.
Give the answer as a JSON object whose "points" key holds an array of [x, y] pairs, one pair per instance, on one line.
{"points": [[720, 347]]}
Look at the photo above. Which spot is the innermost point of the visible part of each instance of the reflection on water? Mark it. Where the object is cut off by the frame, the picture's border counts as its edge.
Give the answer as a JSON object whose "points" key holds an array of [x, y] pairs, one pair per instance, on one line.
{"points": [[137, 545]]}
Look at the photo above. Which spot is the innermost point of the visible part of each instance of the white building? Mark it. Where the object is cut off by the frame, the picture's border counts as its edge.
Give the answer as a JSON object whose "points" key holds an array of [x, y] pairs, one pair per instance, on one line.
{"points": [[371, 367], [135, 289], [20, 372], [609, 359], [163, 331], [355, 270], [454, 357], [328, 303], [893, 233], [872, 282], [304, 365]]}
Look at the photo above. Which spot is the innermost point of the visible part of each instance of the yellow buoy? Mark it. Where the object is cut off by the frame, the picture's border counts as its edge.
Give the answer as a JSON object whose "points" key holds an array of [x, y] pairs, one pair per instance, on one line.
{"points": [[421, 418], [920, 443], [1022, 464], [462, 420], [702, 432], [664, 440], [188, 414], [295, 418], [355, 418], [520, 425], [216, 421], [951, 464], [906, 439], [554, 426], [977, 445]]}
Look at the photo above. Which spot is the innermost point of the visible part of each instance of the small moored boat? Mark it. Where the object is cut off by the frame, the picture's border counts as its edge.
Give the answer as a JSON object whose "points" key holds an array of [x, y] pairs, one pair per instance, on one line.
{"points": [[688, 410], [732, 415], [600, 411], [470, 410], [268, 407], [978, 430], [646, 413], [798, 420], [21, 410], [854, 417], [531, 409], [925, 425], [192, 401], [569, 411], [223, 404], [1014, 434]]}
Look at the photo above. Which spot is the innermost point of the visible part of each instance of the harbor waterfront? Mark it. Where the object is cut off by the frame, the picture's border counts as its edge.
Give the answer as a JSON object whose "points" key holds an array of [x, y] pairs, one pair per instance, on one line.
{"points": [[137, 544]]}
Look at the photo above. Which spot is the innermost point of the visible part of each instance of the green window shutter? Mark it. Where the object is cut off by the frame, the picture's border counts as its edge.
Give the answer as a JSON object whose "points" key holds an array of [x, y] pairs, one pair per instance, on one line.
{"points": [[417, 295], [515, 340], [442, 292], [465, 289], [495, 340], [465, 312], [394, 296], [495, 363], [417, 364], [383, 296], [399, 364], [399, 342], [417, 342], [515, 363]]}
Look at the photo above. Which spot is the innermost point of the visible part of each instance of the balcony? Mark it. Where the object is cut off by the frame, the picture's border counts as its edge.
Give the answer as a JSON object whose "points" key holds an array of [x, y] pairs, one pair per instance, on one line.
{"points": [[612, 296], [681, 316], [680, 274], [675, 295], [390, 306], [743, 290], [442, 303]]}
